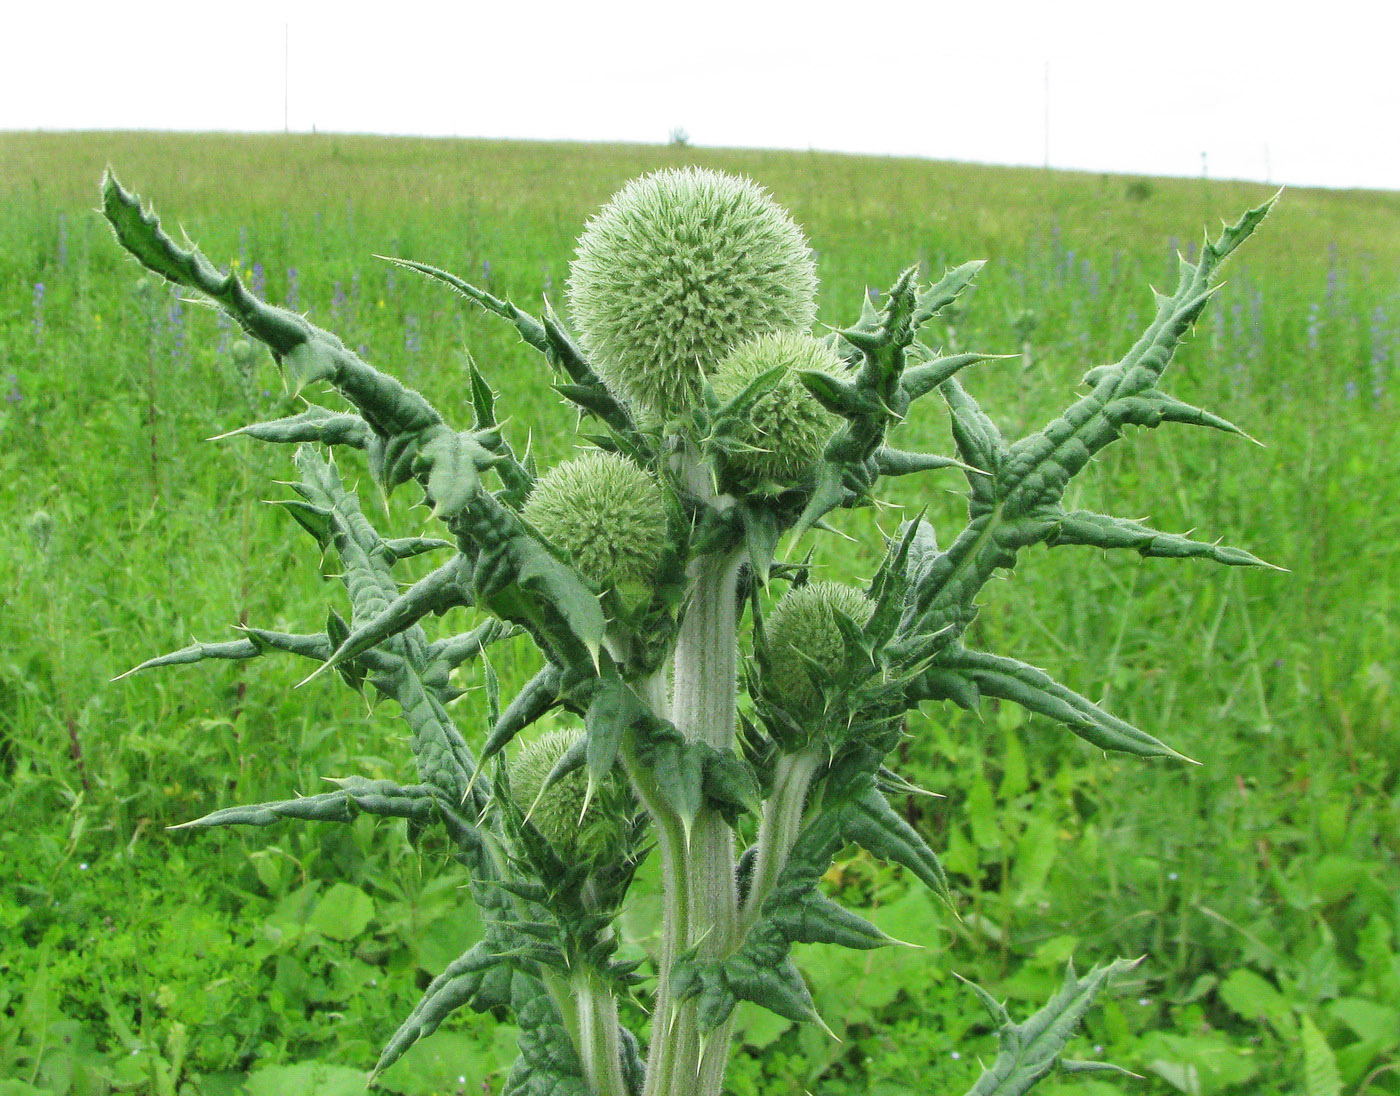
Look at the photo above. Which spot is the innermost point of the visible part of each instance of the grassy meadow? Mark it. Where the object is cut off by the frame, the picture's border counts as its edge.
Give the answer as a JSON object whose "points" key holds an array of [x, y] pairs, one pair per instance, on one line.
{"points": [[1263, 887]]}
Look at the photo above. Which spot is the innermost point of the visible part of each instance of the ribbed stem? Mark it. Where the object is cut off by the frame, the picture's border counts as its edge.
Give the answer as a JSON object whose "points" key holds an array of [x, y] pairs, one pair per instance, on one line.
{"points": [[675, 878], [703, 709], [599, 1041], [782, 820]]}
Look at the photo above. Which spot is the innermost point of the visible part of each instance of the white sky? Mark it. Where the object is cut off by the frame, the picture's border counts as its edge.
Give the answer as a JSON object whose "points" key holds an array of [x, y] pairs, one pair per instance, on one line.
{"points": [[1307, 94]]}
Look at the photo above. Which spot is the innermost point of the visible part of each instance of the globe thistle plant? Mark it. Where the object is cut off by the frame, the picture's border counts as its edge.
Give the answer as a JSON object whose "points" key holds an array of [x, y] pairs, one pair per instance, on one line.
{"points": [[606, 515], [807, 643], [679, 268], [781, 434], [726, 436], [583, 825]]}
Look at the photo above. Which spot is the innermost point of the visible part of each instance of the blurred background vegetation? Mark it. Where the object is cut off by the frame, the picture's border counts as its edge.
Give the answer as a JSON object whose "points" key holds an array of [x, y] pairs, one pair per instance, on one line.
{"points": [[1262, 887]]}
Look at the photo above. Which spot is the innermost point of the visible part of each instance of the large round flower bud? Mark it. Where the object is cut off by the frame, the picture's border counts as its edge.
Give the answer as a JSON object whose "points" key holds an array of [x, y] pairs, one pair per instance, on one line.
{"points": [[786, 429], [678, 269], [804, 624], [607, 515], [595, 836]]}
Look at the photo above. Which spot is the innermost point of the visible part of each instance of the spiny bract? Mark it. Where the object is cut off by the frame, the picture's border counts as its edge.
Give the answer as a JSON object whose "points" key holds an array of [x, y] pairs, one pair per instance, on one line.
{"points": [[804, 638], [678, 269], [786, 430], [606, 515], [595, 836]]}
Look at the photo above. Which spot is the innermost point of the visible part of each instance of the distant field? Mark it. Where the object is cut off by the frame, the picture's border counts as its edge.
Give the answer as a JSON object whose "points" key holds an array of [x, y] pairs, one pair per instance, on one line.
{"points": [[1261, 886]]}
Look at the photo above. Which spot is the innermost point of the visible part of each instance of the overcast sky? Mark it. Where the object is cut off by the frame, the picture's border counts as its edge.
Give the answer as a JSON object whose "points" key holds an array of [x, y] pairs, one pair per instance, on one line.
{"points": [[1281, 91]]}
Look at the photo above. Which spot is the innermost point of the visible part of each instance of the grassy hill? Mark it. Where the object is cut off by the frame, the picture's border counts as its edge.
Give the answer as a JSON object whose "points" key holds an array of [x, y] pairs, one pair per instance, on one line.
{"points": [[1261, 886]]}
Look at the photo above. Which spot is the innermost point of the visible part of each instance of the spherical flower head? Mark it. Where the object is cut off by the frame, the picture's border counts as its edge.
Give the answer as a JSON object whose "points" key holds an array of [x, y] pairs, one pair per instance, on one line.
{"points": [[593, 837], [678, 269], [606, 515], [784, 432], [804, 639], [243, 352]]}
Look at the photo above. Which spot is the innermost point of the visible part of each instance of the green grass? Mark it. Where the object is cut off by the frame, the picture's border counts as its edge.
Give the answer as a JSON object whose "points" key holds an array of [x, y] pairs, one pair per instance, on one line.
{"points": [[1262, 886]]}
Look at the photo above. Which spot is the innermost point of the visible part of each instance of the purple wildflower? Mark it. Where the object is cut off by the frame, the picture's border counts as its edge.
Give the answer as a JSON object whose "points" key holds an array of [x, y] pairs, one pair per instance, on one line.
{"points": [[338, 302], [14, 395], [411, 340], [293, 288], [39, 311], [1380, 352], [1314, 326], [257, 282], [1090, 277]]}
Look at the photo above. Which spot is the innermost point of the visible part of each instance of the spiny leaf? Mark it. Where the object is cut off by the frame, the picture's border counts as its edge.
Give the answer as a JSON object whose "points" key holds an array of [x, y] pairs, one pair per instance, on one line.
{"points": [[548, 1064], [933, 300], [1153, 408], [898, 462], [1029, 1051], [1036, 691], [921, 379], [453, 461], [1104, 531], [538, 696], [453, 651], [530, 329], [356, 794], [435, 592], [315, 424], [870, 821], [198, 652], [464, 982], [813, 918], [303, 349]]}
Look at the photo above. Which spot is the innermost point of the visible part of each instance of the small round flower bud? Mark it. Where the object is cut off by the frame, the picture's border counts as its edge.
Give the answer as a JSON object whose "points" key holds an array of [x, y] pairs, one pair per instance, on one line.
{"points": [[805, 621], [605, 514], [678, 269], [595, 836], [786, 429], [243, 353]]}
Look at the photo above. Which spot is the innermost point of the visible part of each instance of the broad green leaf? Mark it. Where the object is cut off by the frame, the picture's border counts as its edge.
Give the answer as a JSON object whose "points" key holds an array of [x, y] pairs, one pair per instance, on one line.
{"points": [[1320, 1076], [1253, 998], [306, 1079], [342, 913]]}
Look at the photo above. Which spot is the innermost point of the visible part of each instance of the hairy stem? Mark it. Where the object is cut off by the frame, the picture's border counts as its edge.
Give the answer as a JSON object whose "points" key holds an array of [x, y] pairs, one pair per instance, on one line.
{"points": [[703, 709], [599, 1042], [782, 820], [675, 878]]}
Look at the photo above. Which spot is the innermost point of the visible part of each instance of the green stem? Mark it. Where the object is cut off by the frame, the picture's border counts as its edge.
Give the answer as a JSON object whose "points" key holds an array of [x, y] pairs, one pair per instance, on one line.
{"points": [[599, 1041], [703, 709], [675, 876], [782, 821]]}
